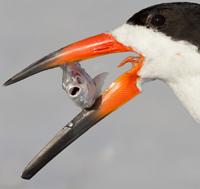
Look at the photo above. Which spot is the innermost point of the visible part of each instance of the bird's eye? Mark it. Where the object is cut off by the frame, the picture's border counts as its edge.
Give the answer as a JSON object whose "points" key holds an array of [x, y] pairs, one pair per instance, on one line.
{"points": [[158, 20]]}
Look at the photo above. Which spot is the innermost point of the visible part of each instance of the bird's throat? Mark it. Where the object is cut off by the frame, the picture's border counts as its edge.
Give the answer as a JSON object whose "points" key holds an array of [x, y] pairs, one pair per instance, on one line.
{"points": [[188, 92]]}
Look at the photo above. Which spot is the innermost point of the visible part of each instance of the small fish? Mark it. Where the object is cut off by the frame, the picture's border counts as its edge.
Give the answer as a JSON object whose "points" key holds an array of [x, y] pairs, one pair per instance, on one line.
{"points": [[80, 87]]}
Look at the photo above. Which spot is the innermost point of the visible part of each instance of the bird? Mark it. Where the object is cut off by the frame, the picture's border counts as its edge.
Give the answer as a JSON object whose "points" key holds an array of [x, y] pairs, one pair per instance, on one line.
{"points": [[167, 39]]}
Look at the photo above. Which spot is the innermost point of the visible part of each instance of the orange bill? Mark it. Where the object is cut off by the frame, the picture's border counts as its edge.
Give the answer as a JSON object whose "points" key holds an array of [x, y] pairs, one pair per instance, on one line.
{"points": [[98, 45], [120, 91]]}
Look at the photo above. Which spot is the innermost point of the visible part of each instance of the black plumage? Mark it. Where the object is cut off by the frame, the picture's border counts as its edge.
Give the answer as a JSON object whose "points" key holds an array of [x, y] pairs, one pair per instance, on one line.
{"points": [[181, 20]]}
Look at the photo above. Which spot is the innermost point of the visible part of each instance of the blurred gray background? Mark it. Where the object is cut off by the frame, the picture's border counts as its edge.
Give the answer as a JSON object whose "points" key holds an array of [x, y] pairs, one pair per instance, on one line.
{"points": [[150, 142]]}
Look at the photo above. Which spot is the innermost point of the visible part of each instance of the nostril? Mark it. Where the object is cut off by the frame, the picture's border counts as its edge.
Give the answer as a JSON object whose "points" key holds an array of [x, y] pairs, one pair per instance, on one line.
{"points": [[73, 91]]}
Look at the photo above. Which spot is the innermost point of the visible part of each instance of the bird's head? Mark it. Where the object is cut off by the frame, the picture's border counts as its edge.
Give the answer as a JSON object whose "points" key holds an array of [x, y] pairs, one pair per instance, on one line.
{"points": [[160, 33], [165, 36]]}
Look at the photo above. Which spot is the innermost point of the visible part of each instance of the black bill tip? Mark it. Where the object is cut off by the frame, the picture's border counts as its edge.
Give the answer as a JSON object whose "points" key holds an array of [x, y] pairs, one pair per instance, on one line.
{"points": [[74, 129], [7, 83], [38, 66], [11, 81], [26, 175]]}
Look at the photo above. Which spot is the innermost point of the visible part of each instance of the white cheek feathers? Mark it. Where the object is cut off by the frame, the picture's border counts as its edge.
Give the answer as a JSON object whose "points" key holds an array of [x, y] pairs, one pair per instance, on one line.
{"points": [[175, 62]]}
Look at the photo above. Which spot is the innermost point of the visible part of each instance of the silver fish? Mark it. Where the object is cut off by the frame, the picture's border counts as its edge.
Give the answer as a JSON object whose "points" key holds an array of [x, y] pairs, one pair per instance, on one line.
{"points": [[80, 87]]}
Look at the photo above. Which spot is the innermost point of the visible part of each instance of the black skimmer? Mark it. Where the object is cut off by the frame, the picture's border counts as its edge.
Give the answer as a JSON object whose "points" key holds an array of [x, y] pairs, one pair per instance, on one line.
{"points": [[167, 38]]}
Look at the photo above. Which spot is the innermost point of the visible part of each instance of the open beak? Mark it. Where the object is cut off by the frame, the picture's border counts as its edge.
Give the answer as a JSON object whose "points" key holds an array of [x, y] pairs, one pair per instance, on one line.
{"points": [[119, 92]]}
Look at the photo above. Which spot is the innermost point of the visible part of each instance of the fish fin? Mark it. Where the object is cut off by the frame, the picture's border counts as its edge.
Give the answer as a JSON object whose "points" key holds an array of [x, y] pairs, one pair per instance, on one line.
{"points": [[99, 80]]}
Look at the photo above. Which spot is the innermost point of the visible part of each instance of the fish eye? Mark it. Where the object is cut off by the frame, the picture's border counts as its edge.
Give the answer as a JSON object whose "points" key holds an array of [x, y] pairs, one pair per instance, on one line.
{"points": [[78, 79], [158, 20]]}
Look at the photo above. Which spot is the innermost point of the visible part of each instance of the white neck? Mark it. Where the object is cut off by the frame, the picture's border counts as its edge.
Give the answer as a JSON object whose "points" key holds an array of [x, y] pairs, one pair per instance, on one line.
{"points": [[177, 63], [188, 92]]}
